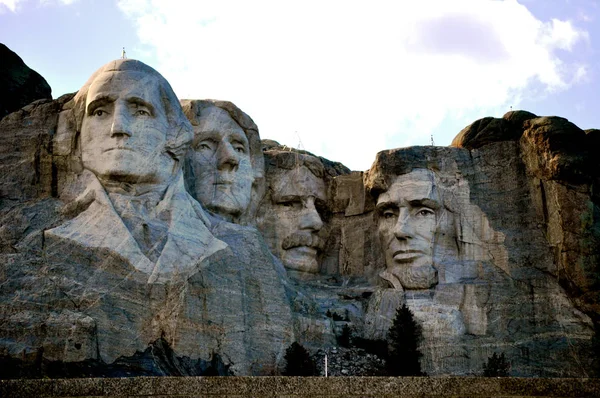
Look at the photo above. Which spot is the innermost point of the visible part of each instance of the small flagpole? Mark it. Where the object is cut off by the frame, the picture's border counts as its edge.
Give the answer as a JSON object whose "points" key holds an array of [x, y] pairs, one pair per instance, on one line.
{"points": [[325, 365]]}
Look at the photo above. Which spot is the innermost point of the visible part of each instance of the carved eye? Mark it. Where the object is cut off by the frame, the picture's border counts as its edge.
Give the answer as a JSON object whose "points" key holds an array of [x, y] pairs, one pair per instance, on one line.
{"points": [[142, 112], [425, 212], [291, 203], [204, 146], [238, 147], [389, 213]]}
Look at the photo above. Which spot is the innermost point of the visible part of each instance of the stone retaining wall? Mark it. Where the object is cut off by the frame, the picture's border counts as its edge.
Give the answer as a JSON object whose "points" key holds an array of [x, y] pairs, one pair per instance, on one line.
{"points": [[301, 387]]}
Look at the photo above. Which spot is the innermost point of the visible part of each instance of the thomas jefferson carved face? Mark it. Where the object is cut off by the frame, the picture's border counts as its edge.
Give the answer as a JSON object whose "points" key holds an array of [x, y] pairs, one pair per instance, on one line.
{"points": [[221, 163], [291, 221], [408, 214], [124, 129]]}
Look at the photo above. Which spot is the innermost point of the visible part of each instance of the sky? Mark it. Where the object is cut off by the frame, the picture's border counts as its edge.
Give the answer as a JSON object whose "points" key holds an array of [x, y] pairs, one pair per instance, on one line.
{"points": [[342, 79]]}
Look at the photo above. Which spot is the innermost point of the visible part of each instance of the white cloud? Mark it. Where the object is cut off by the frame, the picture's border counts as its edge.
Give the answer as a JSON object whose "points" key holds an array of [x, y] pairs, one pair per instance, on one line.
{"points": [[353, 78], [9, 4], [562, 35], [57, 2], [13, 5]]}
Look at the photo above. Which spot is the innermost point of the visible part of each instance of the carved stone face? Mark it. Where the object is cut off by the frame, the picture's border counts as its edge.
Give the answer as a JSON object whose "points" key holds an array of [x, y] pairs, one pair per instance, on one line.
{"points": [[124, 129], [221, 164], [292, 218], [408, 213]]}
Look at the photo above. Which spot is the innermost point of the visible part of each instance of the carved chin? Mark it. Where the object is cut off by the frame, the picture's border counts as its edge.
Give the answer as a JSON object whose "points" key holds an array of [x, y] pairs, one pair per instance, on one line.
{"points": [[303, 259], [225, 208], [128, 165], [225, 200], [416, 277]]}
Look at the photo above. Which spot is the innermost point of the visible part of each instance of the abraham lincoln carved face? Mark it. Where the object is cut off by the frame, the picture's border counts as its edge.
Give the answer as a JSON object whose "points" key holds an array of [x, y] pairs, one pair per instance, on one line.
{"points": [[408, 214]]}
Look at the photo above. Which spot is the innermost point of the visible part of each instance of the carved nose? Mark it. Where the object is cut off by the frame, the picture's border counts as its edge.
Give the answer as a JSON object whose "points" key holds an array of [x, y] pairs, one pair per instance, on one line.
{"points": [[120, 125], [403, 228], [227, 157], [310, 218]]}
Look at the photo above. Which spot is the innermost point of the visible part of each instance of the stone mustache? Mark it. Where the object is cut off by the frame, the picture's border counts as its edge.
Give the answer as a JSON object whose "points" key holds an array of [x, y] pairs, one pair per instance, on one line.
{"points": [[146, 222]]}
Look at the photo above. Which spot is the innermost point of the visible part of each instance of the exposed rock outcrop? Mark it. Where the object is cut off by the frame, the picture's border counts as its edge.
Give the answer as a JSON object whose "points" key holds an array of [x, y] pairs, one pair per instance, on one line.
{"points": [[19, 85], [493, 243]]}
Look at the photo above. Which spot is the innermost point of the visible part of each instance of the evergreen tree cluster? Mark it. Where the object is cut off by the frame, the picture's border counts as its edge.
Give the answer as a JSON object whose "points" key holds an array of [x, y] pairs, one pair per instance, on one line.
{"points": [[496, 366], [404, 337], [298, 361]]}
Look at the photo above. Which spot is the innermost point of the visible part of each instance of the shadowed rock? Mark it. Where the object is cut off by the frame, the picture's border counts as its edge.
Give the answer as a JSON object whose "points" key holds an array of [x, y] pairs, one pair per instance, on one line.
{"points": [[19, 85], [489, 129]]}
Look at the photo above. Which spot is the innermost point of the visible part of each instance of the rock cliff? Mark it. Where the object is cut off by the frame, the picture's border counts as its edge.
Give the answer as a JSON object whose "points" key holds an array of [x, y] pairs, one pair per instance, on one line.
{"points": [[492, 242]]}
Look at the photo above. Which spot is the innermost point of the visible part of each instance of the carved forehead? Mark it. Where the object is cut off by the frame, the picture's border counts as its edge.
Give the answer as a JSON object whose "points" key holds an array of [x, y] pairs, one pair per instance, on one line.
{"points": [[126, 84], [217, 123], [141, 71], [417, 185], [297, 182]]}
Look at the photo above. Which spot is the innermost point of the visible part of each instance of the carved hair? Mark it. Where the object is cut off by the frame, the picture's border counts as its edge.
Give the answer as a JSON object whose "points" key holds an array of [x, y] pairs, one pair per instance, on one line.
{"points": [[179, 133], [395, 162], [288, 160]]}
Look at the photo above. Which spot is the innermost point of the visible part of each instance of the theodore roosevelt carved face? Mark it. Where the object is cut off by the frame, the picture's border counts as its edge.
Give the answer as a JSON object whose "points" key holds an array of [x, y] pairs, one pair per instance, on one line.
{"points": [[408, 215], [290, 218]]}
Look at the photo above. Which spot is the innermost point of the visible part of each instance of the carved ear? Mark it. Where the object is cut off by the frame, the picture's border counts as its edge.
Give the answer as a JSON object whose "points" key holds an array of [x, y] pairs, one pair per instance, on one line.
{"points": [[64, 138], [66, 142]]}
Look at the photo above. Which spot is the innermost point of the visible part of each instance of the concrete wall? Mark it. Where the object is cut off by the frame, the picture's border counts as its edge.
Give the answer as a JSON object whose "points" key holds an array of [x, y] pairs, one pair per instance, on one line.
{"points": [[301, 386]]}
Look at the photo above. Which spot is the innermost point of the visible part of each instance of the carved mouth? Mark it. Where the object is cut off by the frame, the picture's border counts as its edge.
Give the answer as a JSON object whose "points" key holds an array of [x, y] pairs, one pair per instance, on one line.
{"points": [[220, 180], [303, 240], [406, 255], [304, 250], [119, 148]]}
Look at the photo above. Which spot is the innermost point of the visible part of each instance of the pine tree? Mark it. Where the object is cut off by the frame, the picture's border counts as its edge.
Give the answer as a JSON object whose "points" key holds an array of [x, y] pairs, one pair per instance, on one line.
{"points": [[344, 338], [298, 361], [496, 366], [404, 337]]}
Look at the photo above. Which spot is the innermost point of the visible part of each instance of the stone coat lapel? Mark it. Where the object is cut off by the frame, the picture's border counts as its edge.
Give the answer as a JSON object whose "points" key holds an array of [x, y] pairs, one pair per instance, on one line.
{"points": [[189, 240]]}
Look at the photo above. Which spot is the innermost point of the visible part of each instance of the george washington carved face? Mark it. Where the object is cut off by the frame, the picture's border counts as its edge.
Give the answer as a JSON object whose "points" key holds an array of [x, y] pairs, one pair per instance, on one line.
{"points": [[132, 128], [124, 129]]}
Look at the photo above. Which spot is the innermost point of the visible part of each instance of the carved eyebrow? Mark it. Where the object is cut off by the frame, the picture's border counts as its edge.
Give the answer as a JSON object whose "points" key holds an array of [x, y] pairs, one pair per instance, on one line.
{"points": [[141, 102], [386, 205], [239, 138], [98, 102], [425, 202], [240, 142]]}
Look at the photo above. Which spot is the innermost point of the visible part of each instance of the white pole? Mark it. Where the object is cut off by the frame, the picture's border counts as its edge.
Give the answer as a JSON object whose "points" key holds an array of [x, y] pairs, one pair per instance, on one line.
{"points": [[325, 365]]}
